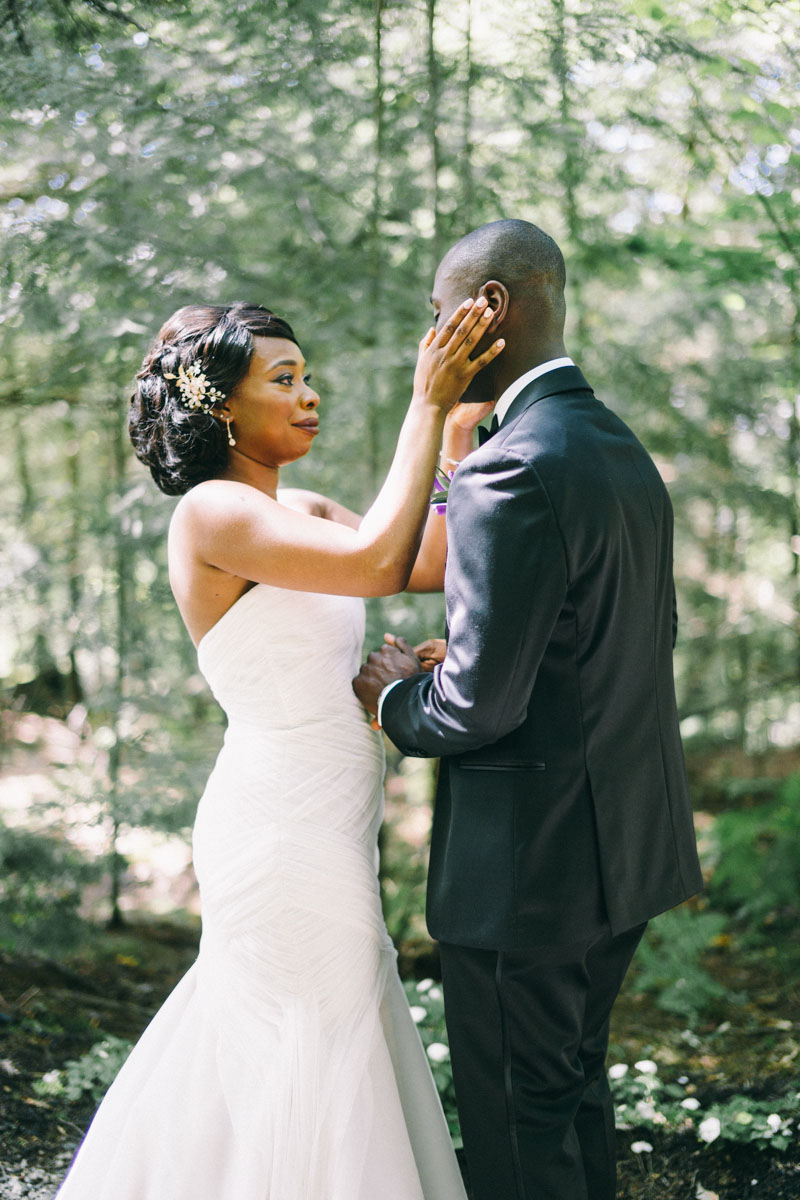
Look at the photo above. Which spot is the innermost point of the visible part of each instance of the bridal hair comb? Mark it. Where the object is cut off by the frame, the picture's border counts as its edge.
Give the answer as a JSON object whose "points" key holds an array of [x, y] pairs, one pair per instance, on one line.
{"points": [[195, 389]]}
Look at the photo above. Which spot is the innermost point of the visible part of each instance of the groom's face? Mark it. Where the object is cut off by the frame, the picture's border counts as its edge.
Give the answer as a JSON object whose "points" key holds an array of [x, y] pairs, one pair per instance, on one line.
{"points": [[449, 290]]}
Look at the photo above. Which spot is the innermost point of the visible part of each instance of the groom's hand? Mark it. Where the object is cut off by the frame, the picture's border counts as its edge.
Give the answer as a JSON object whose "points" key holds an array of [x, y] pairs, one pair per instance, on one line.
{"points": [[431, 652], [395, 660]]}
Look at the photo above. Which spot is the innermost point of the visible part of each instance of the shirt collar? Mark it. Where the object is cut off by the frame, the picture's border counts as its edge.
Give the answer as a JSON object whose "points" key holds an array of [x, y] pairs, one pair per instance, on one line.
{"points": [[514, 389]]}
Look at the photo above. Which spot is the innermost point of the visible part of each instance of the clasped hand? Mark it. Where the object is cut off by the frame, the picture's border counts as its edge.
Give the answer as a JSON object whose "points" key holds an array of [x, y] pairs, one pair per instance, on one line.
{"points": [[395, 660]]}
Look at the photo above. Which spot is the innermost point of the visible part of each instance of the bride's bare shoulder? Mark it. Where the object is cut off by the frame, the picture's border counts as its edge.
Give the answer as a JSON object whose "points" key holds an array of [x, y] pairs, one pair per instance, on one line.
{"points": [[216, 500]]}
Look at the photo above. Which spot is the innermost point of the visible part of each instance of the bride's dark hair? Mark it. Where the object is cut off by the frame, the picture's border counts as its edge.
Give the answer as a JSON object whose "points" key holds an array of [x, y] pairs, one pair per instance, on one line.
{"points": [[183, 446]]}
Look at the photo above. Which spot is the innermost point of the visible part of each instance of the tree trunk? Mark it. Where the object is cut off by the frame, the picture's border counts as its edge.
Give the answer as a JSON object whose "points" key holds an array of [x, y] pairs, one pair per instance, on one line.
{"points": [[570, 171], [74, 573], [467, 180], [793, 464], [21, 463], [375, 291], [117, 862], [432, 114]]}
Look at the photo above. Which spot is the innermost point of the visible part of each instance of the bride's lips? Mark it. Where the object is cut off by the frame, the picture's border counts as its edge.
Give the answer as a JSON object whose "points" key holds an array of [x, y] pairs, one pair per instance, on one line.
{"points": [[310, 426]]}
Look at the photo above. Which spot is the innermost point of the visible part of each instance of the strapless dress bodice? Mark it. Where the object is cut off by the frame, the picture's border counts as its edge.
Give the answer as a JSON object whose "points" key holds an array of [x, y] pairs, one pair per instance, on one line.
{"points": [[284, 660]]}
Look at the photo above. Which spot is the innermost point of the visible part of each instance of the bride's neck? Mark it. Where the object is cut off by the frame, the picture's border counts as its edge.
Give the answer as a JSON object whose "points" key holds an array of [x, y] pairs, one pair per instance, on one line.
{"points": [[243, 469]]}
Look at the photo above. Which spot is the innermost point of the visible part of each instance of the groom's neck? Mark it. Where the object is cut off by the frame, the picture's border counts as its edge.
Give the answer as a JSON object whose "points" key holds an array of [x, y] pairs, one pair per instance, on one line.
{"points": [[510, 366]]}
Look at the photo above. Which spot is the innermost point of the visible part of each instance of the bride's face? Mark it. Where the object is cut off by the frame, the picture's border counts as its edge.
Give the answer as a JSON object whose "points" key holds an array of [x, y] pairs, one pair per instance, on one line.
{"points": [[273, 409]]}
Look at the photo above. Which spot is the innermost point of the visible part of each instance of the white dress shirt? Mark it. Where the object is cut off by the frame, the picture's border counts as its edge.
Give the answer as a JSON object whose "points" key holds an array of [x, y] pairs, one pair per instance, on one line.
{"points": [[501, 408], [514, 389]]}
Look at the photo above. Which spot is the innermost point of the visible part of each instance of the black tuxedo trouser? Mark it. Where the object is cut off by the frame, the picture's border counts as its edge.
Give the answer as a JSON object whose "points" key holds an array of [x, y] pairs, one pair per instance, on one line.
{"points": [[528, 1033]]}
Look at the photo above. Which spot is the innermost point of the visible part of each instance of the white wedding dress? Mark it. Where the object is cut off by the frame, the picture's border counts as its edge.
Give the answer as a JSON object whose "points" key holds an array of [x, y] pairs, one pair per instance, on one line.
{"points": [[285, 1065]]}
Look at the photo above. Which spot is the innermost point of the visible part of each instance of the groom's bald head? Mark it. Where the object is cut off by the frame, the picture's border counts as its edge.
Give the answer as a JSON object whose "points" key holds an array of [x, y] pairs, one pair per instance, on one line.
{"points": [[520, 269], [516, 253]]}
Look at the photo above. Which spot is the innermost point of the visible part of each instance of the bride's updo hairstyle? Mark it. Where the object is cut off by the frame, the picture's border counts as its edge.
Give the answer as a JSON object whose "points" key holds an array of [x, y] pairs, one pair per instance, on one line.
{"points": [[212, 345]]}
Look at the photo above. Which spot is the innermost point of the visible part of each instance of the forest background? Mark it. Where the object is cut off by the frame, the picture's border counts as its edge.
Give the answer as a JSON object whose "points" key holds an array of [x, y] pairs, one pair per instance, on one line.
{"points": [[319, 157]]}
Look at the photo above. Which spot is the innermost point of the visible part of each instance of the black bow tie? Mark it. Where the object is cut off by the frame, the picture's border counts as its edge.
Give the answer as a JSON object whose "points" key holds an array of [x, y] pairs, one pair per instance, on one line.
{"points": [[484, 434]]}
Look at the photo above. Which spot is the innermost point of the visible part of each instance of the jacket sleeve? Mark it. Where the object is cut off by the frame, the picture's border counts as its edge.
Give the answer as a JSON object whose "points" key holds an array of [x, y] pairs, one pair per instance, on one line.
{"points": [[674, 616], [505, 584]]}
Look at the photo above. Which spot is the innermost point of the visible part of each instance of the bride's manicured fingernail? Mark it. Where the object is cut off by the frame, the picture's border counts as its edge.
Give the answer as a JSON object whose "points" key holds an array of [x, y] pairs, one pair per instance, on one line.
{"points": [[481, 301], [467, 303], [489, 313]]}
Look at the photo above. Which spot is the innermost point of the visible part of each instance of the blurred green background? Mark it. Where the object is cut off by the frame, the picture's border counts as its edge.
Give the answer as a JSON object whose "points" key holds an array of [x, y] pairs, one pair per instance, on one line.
{"points": [[318, 156]]}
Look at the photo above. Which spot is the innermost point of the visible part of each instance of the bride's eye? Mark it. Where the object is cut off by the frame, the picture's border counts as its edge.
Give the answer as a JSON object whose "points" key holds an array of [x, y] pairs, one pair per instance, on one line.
{"points": [[307, 378], [285, 379]]}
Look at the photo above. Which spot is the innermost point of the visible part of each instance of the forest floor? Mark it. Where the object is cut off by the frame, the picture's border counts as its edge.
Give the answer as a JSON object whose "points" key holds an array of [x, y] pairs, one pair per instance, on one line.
{"points": [[51, 1011]]}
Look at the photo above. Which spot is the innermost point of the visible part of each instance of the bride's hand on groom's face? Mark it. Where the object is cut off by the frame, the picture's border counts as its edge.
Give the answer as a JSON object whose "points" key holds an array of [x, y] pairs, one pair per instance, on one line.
{"points": [[444, 367]]}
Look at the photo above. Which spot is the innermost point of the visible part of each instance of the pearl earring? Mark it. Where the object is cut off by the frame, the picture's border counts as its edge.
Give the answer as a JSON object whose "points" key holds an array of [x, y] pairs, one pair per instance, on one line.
{"points": [[231, 438]]}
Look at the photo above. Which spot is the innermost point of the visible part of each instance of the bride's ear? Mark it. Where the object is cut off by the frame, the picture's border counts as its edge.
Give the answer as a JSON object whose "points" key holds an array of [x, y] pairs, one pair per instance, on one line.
{"points": [[497, 295]]}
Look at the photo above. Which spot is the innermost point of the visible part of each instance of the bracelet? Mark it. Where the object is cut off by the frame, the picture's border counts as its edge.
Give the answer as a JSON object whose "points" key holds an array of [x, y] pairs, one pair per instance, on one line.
{"points": [[454, 462]]}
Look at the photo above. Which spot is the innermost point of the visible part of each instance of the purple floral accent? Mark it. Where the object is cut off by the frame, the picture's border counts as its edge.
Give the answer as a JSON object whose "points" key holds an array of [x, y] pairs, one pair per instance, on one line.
{"points": [[441, 488]]}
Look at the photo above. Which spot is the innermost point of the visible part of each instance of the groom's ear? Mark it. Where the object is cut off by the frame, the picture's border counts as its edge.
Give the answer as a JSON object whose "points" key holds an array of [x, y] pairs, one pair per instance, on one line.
{"points": [[497, 295]]}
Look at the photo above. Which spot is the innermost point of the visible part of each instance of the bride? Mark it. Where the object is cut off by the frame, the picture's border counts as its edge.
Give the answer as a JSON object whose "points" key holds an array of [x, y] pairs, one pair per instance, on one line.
{"points": [[285, 1065]]}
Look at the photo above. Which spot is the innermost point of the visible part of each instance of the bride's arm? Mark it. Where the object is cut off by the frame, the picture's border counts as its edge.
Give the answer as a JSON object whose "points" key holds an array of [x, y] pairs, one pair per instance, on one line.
{"points": [[243, 532], [317, 505], [428, 572], [457, 443]]}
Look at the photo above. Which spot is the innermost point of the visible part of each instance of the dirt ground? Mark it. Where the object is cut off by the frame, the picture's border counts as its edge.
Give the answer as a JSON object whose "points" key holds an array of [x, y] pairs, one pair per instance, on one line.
{"points": [[51, 1011]]}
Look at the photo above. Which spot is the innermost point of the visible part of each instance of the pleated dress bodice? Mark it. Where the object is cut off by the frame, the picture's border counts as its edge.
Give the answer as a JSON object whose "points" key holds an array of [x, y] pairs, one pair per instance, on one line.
{"points": [[295, 801]]}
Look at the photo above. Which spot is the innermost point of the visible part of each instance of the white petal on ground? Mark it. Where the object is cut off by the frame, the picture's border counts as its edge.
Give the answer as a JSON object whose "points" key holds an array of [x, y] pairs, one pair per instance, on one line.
{"points": [[646, 1066], [438, 1052], [710, 1129]]}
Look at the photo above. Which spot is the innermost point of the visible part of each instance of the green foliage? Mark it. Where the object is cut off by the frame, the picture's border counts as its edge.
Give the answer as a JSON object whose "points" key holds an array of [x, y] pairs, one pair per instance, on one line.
{"points": [[156, 153], [642, 1100], [41, 883], [757, 872], [427, 1009], [667, 962], [92, 1073], [769, 1124], [402, 895]]}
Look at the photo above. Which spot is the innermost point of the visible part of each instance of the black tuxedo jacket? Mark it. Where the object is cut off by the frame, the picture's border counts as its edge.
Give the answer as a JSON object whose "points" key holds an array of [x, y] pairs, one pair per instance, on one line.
{"points": [[562, 802]]}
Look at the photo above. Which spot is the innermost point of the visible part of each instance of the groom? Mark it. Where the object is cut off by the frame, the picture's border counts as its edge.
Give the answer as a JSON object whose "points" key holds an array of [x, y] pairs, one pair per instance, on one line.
{"points": [[562, 818]]}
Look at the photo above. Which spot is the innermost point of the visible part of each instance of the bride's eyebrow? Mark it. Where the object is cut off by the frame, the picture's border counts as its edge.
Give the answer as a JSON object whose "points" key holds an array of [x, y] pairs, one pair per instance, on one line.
{"points": [[284, 362]]}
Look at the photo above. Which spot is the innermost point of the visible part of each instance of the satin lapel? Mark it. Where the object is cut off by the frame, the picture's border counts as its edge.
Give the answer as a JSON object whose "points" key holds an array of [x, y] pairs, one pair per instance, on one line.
{"points": [[563, 379]]}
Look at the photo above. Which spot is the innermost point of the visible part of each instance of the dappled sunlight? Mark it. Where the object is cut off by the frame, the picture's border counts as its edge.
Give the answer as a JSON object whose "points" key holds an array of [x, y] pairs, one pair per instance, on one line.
{"points": [[320, 162], [41, 755]]}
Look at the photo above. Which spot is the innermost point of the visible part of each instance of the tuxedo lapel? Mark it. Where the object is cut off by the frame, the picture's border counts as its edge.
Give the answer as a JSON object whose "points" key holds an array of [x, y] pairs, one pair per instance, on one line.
{"points": [[563, 379], [485, 433]]}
